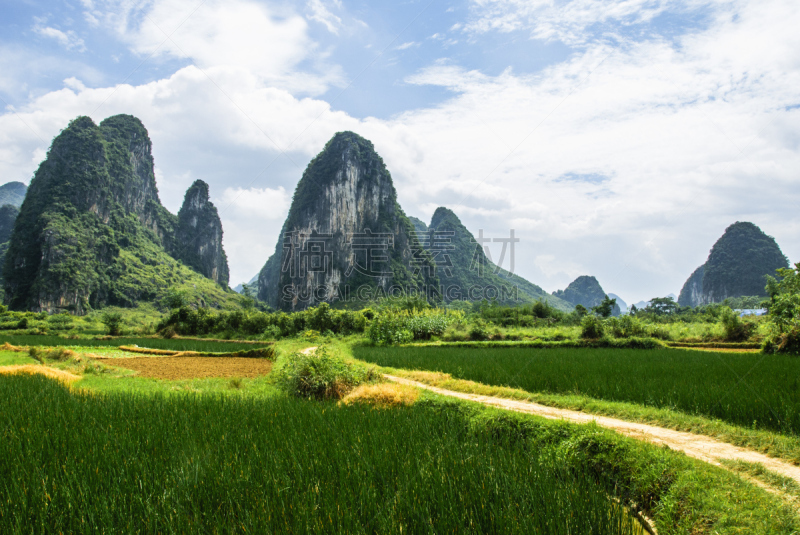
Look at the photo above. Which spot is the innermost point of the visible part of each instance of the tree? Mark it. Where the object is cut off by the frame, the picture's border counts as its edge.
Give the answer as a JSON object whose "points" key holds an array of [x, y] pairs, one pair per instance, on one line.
{"points": [[113, 322], [662, 306], [784, 311], [605, 308]]}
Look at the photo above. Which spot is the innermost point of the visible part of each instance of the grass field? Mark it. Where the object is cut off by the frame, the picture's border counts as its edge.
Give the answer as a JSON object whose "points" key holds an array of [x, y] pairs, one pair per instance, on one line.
{"points": [[751, 390], [177, 344], [77, 463]]}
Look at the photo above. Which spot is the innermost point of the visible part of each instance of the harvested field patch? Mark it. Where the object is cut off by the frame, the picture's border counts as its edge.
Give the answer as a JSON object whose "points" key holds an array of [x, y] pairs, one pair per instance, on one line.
{"points": [[193, 367], [53, 373]]}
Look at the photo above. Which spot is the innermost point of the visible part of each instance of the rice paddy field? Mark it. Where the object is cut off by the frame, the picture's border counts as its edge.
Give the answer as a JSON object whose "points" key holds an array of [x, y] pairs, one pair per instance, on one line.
{"points": [[76, 462], [176, 344], [751, 390]]}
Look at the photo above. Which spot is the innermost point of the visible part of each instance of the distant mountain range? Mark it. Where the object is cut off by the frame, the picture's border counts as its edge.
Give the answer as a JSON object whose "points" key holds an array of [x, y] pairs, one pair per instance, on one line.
{"points": [[90, 231]]}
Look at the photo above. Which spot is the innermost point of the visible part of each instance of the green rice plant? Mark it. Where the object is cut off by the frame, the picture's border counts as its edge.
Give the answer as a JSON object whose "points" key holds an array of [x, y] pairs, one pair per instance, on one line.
{"points": [[179, 344], [74, 462], [753, 390]]}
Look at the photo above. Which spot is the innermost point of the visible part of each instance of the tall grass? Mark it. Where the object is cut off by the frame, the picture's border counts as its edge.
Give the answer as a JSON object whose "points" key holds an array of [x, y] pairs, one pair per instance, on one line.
{"points": [[752, 390], [203, 346], [77, 463]]}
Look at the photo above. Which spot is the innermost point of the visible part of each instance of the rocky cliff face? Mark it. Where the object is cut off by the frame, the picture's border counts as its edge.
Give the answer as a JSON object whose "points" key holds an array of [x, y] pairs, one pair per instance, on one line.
{"points": [[737, 266], [586, 291], [466, 273], [345, 236], [198, 235], [91, 230], [692, 291]]}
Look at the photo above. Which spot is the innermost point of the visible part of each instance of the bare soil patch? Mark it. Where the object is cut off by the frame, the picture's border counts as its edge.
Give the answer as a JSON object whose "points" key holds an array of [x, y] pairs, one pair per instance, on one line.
{"points": [[193, 367]]}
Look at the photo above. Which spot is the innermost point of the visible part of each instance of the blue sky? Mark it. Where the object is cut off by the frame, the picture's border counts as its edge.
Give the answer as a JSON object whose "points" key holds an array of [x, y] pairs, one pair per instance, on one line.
{"points": [[618, 138]]}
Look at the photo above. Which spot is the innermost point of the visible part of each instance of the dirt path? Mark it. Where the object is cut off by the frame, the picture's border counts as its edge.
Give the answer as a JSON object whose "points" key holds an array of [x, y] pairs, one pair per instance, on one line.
{"points": [[698, 446]]}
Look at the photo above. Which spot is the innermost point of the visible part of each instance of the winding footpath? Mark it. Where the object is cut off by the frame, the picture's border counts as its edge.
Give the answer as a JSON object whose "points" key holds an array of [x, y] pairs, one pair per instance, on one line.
{"points": [[698, 446]]}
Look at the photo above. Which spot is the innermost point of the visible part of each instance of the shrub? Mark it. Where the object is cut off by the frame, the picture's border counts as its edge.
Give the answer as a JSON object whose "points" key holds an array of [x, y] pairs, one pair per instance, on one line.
{"points": [[113, 322], [479, 330], [626, 326], [736, 330], [319, 375], [273, 332], [592, 327], [403, 326]]}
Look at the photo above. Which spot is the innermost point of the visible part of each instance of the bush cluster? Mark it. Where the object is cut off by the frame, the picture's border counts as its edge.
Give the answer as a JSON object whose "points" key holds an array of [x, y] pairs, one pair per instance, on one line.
{"points": [[189, 321], [403, 326], [320, 375]]}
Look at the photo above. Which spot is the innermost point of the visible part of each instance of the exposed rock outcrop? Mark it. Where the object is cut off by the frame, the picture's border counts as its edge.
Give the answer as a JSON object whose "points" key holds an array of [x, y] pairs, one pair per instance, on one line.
{"points": [[198, 235], [346, 236]]}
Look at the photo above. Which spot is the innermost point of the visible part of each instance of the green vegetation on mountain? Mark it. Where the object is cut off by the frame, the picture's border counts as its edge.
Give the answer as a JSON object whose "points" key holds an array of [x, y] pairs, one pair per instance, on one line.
{"points": [[466, 273], [13, 193], [587, 292], [343, 211], [738, 265], [419, 225], [92, 231]]}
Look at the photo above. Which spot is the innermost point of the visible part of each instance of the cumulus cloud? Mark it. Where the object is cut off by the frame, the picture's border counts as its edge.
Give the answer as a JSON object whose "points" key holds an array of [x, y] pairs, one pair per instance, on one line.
{"points": [[621, 162], [253, 218], [261, 40]]}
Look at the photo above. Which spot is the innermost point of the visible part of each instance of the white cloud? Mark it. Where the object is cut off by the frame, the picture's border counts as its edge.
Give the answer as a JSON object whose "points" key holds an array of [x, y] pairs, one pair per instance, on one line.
{"points": [[68, 39], [263, 41], [407, 45], [252, 216], [321, 14], [690, 137], [570, 21]]}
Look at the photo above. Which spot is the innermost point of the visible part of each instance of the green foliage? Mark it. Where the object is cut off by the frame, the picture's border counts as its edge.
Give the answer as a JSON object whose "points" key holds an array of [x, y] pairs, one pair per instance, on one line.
{"points": [[203, 321], [479, 330], [113, 322], [605, 308], [661, 306], [784, 312], [592, 327], [403, 326], [319, 374], [736, 330], [626, 327]]}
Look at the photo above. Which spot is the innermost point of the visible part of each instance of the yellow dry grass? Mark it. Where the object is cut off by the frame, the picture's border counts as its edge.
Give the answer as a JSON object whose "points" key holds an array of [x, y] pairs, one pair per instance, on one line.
{"points": [[427, 377], [9, 347], [383, 396], [59, 375]]}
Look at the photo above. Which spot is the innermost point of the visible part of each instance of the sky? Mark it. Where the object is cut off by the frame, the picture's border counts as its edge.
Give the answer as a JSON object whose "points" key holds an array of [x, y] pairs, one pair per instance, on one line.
{"points": [[617, 138]]}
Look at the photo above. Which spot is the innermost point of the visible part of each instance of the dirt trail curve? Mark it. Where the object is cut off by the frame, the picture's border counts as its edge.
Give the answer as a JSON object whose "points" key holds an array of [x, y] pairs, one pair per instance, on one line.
{"points": [[698, 446]]}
